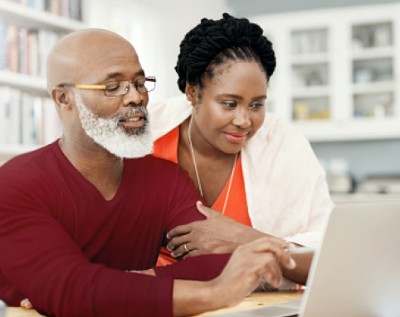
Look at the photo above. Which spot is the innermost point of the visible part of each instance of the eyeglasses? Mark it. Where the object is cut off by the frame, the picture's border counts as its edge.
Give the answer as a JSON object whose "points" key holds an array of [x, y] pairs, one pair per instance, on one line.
{"points": [[117, 88]]}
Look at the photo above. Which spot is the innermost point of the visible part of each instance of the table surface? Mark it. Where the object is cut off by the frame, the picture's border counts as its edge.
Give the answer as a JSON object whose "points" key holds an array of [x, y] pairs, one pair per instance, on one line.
{"points": [[255, 300], [20, 312]]}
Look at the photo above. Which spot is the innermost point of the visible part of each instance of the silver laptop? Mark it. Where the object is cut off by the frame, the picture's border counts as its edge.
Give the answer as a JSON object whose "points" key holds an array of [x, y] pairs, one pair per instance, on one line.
{"points": [[356, 272]]}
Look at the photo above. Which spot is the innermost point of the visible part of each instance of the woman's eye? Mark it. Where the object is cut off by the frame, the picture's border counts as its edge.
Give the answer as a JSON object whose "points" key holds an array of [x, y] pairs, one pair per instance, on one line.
{"points": [[257, 105], [229, 104]]}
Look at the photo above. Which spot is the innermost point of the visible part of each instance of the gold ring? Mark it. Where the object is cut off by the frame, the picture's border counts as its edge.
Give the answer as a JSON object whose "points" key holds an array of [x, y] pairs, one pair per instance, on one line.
{"points": [[185, 246]]}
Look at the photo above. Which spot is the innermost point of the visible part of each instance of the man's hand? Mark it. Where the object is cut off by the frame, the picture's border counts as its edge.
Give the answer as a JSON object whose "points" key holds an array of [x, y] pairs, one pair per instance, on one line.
{"points": [[216, 234], [255, 261], [26, 304], [248, 265]]}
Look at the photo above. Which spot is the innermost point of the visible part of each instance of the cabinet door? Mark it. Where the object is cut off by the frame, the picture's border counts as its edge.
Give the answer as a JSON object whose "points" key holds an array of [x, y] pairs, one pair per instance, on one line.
{"points": [[338, 71], [373, 64], [310, 74]]}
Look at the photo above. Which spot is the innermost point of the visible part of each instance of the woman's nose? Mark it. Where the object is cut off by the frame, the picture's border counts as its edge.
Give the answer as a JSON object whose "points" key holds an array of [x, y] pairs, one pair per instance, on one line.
{"points": [[242, 118]]}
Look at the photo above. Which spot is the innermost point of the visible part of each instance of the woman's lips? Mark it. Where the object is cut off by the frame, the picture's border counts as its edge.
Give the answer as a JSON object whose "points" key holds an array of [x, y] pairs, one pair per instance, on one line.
{"points": [[238, 138]]}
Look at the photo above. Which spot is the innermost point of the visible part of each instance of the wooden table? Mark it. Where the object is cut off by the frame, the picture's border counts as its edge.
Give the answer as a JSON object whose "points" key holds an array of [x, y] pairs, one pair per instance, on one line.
{"points": [[20, 312], [253, 301], [257, 300]]}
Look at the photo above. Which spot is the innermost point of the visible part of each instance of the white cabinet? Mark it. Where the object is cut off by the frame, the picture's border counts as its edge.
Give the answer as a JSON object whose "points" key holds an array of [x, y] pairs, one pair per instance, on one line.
{"points": [[338, 71], [27, 115]]}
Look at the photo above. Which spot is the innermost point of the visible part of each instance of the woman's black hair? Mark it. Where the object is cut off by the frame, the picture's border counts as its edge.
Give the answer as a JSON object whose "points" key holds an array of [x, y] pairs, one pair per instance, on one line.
{"points": [[213, 41]]}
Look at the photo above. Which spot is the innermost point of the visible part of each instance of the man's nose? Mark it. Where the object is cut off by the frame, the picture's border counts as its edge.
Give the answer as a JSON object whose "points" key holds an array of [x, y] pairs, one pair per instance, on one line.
{"points": [[133, 96]]}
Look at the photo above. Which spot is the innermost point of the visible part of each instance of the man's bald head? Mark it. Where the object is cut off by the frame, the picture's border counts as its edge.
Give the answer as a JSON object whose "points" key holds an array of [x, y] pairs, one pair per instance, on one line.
{"points": [[77, 54]]}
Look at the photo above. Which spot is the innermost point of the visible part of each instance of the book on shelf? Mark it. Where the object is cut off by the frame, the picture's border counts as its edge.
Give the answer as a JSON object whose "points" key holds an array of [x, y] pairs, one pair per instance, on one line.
{"points": [[3, 48], [4, 99], [46, 40], [34, 67], [11, 47], [50, 125], [10, 111], [31, 129], [27, 119], [25, 50], [66, 8], [71, 9]]}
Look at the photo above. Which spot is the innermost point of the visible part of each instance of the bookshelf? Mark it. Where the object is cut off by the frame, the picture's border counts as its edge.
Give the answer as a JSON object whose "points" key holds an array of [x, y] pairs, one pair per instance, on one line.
{"points": [[37, 17], [338, 71], [28, 29]]}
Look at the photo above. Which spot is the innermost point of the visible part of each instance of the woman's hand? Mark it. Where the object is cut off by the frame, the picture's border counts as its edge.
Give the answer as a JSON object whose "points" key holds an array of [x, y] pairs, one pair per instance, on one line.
{"points": [[216, 234]]}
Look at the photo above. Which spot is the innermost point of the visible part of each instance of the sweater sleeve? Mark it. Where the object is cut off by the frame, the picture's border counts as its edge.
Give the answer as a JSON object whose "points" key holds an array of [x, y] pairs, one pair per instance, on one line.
{"points": [[286, 190], [320, 208], [41, 262], [202, 267], [181, 209]]}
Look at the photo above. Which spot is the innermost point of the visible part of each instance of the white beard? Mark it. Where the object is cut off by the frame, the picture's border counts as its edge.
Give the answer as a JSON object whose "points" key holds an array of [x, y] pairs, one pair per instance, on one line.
{"points": [[106, 132]]}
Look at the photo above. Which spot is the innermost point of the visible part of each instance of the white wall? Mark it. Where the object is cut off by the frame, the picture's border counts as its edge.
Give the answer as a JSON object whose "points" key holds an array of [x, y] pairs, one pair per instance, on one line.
{"points": [[365, 158], [256, 7], [156, 28]]}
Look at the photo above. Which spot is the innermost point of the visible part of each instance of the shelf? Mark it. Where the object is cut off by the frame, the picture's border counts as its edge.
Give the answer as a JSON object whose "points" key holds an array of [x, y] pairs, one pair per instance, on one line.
{"points": [[50, 26], [357, 197], [33, 84], [312, 91], [15, 149], [372, 53], [338, 81], [373, 87], [29, 17], [316, 58], [354, 130], [8, 151]]}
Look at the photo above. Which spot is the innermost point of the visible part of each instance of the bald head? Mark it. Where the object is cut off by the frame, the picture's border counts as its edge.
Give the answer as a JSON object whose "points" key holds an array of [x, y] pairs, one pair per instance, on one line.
{"points": [[78, 54]]}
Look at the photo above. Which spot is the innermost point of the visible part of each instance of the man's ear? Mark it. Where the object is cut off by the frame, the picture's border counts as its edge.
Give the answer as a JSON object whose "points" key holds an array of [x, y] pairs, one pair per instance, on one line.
{"points": [[61, 97]]}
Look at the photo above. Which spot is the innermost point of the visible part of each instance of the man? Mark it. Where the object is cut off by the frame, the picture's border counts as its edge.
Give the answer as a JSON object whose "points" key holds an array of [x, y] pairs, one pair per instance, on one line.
{"points": [[80, 217]]}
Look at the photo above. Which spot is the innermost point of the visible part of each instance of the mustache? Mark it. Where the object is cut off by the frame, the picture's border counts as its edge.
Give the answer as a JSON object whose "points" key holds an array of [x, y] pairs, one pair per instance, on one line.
{"points": [[134, 110]]}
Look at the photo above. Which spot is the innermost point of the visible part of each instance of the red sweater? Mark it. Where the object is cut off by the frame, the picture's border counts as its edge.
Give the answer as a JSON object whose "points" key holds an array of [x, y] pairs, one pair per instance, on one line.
{"points": [[67, 249]]}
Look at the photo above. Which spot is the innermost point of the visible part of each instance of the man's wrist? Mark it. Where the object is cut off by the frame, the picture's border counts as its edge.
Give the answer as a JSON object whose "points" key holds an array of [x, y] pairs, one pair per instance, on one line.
{"points": [[194, 297], [214, 294]]}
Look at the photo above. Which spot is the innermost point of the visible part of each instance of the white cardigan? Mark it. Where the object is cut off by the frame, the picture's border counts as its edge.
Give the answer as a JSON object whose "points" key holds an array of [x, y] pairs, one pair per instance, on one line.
{"points": [[286, 190]]}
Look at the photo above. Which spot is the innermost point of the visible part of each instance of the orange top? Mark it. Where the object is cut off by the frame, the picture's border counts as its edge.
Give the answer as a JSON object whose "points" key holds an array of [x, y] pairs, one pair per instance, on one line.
{"points": [[166, 147], [236, 208]]}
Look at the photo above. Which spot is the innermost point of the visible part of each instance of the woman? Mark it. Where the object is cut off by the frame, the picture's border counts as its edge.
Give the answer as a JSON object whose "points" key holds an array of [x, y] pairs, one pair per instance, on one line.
{"points": [[259, 173]]}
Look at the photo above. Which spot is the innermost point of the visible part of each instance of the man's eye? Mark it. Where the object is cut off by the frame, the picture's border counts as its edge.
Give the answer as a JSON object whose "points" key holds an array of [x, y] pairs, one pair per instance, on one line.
{"points": [[113, 86], [140, 84]]}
